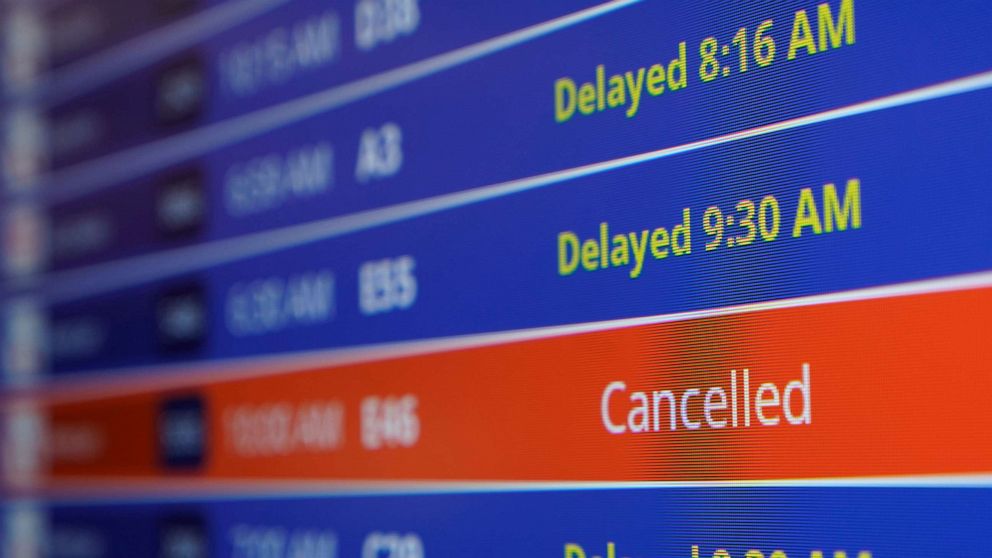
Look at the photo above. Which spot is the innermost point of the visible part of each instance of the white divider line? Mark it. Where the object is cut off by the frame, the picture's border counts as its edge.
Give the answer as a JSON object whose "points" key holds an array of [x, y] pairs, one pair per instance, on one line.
{"points": [[91, 491], [88, 176], [101, 67], [97, 278], [191, 374]]}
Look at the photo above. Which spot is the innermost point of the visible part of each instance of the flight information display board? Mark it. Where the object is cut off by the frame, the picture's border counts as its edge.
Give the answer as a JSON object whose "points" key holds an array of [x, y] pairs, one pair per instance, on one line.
{"points": [[429, 278]]}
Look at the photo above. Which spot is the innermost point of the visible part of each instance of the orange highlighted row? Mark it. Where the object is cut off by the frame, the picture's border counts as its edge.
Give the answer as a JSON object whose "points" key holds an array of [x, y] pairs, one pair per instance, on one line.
{"points": [[879, 387]]}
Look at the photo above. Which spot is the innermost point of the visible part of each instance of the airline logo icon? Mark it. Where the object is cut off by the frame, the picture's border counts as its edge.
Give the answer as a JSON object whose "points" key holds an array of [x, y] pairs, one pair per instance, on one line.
{"points": [[181, 205], [23, 341], [25, 147], [23, 241], [181, 318], [180, 93], [183, 537], [182, 433], [24, 45], [23, 440], [23, 531]]}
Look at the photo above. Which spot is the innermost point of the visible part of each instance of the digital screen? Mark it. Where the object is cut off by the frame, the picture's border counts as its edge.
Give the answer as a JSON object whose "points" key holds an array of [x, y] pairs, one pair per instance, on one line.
{"points": [[442, 278]]}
